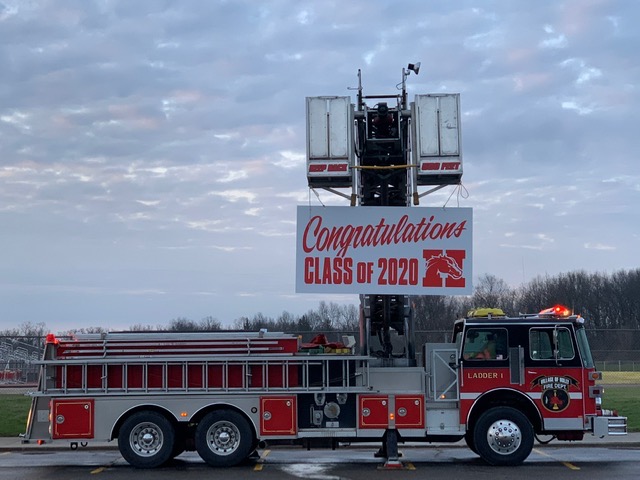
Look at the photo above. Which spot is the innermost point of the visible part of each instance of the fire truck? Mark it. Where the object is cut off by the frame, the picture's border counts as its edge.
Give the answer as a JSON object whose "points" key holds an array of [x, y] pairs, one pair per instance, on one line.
{"points": [[499, 382]]}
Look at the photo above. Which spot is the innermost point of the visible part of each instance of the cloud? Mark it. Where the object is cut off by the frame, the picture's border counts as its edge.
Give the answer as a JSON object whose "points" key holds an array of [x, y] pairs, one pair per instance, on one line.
{"points": [[598, 246], [160, 147]]}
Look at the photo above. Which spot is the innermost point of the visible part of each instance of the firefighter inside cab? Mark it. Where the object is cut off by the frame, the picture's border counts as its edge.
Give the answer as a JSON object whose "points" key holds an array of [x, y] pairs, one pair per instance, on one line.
{"points": [[488, 349]]}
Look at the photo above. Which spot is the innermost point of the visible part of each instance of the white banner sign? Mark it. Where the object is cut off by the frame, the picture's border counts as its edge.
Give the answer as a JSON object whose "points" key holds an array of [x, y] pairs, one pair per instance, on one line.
{"points": [[384, 250]]}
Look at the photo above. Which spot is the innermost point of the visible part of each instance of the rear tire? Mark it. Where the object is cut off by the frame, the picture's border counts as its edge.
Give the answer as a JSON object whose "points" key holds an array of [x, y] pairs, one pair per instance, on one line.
{"points": [[503, 436], [146, 439], [224, 438]]}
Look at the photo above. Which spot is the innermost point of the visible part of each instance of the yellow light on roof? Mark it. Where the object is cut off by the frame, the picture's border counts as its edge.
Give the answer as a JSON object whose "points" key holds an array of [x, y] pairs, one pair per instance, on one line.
{"points": [[486, 312]]}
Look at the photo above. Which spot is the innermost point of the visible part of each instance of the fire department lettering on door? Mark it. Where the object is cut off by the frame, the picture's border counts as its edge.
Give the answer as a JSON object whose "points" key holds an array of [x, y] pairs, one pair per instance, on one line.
{"points": [[382, 250]]}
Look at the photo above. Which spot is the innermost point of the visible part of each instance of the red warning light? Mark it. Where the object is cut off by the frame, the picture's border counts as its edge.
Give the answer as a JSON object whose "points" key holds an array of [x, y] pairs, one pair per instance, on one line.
{"points": [[557, 311], [51, 338]]}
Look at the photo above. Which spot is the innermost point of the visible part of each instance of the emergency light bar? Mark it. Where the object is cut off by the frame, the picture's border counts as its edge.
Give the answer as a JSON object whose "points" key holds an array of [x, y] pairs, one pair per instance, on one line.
{"points": [[556, 311]]}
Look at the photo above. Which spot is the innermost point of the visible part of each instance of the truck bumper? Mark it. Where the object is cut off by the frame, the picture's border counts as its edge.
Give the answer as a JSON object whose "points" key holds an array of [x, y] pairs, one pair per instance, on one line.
{"points": [[603, 426]]}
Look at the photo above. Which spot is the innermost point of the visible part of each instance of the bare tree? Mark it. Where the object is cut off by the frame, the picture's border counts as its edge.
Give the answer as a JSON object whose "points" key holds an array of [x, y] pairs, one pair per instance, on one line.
{"points": [[182, 324], [491, 291], [210, 324], [89, 330], [138, 327]]}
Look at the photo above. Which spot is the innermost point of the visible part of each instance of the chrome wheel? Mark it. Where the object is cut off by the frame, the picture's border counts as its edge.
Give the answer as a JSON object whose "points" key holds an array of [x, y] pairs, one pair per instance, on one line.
{"points": [[223, 438], [146, 439], [504, 437]]}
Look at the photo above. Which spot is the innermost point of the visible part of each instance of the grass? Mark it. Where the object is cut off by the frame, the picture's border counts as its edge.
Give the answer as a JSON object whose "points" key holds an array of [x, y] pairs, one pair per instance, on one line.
{"points": [[620, 378], [14, 408], [625, 401]]}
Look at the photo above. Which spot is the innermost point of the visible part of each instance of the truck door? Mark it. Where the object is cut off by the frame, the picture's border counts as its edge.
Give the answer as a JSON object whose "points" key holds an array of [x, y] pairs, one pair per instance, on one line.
{"points": [[553, 374], [485, 364]]}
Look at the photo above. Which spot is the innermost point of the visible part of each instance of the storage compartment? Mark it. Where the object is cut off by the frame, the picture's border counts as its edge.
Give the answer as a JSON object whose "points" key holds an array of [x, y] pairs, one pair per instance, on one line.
{"points": [[373, 411], [278, 416], [443, 421], [72, 418], [409, 411]]}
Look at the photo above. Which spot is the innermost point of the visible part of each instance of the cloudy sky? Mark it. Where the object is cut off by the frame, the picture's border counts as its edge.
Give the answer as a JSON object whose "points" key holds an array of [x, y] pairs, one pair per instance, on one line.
{"points": [[152, 153]]}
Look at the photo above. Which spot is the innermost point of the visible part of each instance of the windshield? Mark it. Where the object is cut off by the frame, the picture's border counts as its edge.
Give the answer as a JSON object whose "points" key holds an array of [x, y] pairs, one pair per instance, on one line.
{"points": [[457, 335], [583, 346]]}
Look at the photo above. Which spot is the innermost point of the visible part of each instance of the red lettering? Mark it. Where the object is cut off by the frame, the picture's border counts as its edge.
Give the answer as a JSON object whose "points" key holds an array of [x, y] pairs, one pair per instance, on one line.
{"points": [[340, 239], [430, 166], [450, 165], [398, 271], [328, 271], [437, 166], [328, 167]]}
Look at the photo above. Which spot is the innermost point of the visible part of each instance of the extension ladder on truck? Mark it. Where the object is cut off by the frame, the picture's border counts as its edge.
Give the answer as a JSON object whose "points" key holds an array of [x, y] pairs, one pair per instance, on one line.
{"points": [[192, 363]]}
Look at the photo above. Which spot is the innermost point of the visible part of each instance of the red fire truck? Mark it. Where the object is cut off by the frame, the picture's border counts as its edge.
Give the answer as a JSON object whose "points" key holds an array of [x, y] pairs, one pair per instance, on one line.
{"points": [[500, 382]]}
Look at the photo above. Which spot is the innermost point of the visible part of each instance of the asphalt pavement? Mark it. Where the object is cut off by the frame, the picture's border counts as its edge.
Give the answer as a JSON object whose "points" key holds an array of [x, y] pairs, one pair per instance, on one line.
{"points": [[628, 440]]}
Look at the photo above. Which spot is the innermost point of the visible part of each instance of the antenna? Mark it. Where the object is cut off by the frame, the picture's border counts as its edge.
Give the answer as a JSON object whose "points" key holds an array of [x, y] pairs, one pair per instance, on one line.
{"points": [[412, 67]]}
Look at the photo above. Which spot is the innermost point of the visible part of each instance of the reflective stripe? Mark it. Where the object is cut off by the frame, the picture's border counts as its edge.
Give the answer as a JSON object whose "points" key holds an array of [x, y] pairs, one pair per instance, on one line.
{"points": [[469, 396], [563, 423], [572, 395], [533, 395]]}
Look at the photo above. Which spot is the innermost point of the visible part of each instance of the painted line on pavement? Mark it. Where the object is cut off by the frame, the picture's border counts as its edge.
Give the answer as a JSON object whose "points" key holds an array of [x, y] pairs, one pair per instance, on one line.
{"points": [[569, 465], [260, 462]]}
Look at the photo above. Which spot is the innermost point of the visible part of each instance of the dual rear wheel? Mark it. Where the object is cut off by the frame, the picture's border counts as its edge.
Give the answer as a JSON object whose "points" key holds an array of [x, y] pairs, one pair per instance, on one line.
{"points": [[223, 438]]}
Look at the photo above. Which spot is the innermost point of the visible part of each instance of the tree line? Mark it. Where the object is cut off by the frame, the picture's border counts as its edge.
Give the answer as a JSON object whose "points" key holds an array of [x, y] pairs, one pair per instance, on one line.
{"points": [[607, 301]]}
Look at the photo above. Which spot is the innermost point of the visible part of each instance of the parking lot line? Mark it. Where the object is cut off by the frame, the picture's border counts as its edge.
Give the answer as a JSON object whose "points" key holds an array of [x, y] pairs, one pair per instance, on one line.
{"points": [[570, 466], [260, 461]]}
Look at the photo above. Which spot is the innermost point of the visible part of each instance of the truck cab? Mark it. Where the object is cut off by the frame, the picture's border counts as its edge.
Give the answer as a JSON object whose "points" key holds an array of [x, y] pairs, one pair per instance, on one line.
{"points": [[521, 376]]}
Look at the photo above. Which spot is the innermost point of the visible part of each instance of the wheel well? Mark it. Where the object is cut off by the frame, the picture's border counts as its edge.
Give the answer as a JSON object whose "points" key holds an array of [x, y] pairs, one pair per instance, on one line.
{"points": [[505, 398]]}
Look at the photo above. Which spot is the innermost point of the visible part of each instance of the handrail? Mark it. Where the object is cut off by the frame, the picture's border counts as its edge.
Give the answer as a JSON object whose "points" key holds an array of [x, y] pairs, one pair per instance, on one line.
{"points": [[205, 374]]}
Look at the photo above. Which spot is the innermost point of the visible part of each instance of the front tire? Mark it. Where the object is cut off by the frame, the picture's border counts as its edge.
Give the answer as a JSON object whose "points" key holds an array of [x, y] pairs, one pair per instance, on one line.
{"points": [[146, 439], [468, 438], [503, 436], [224, 438]]}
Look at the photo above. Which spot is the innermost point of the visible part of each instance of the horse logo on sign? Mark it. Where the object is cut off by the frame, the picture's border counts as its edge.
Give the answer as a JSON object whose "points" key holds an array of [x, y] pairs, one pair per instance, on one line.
{"points": [[444, 268]]}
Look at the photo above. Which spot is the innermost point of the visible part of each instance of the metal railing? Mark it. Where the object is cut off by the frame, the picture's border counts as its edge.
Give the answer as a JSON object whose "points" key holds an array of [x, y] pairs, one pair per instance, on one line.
{"points": [[616, 353], [207, 374]]}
